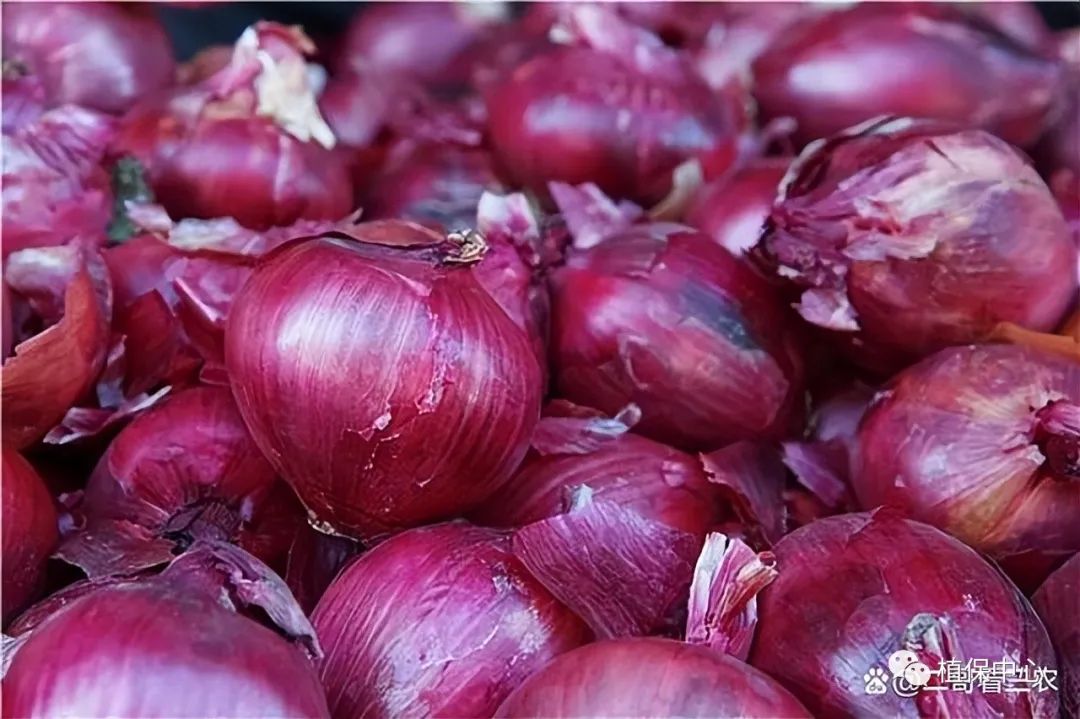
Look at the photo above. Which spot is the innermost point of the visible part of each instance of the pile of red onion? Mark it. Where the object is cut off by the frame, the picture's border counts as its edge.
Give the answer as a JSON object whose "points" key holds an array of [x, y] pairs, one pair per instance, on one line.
{"points": [[565, 360]]}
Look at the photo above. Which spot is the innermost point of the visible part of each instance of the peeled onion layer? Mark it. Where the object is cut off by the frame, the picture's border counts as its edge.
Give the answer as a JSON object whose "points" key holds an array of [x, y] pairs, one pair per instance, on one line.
{"points": [[865, 229], [853, 589], [52, 370], [1055, 603], [187, 470], [649, 677], [437, 621], [178, 644], [421, 392], [29, 531], [982, 442]]}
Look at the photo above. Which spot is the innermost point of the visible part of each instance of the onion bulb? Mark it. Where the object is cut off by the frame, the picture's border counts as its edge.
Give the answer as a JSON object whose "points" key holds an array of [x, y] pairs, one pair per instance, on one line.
{"points": [[1055, 601], [30, 531]]}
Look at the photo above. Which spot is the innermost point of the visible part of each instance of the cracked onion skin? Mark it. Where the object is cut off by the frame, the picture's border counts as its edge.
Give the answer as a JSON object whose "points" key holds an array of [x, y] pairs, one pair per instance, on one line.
{"points": [[380, 379], [650, 677], [437, 621], [29, 531], [918, 59], [904, 236], [660, 316], [984, 443], [854, 588]]}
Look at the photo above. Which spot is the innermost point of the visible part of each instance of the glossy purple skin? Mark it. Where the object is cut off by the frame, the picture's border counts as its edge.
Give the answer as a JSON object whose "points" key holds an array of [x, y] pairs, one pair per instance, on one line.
{"points": [[578, 115], [148, 650], [29, 531], [733, 210], [388, 390], [848, 588], [1055, 602], [957, 441], [912, 59], [867, 229], [437, 621], [660, 316], [649, 677]]}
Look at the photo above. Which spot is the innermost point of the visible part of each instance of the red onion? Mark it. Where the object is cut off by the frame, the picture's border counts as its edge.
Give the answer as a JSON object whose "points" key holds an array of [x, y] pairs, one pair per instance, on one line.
{"points": [[856, 588], [659, 316], [247, 142], [422, 40], [916, 59], [649, 677], [732, 210], [68, 291], [29, 523], [1058, 152], [437, 621], [171, 645], [102, 56], [1055, 601], [1021, 21], [186, 470], [54, 188], [314, 560], [867, 227], [24, 99], [617, 108], [983, 442], [450, 387]]}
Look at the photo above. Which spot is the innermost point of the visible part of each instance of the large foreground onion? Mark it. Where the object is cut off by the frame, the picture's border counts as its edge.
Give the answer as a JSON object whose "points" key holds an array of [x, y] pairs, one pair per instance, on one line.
{"points": [[184, 471], [855, 588], [29, 526], [616, 108], [867, 228], [660, 316], [649, 677], [916, 59], [247, 142], [983, 442], [379, 378], [1055, 601], [174, 645], [102, 56], [437, 621]]}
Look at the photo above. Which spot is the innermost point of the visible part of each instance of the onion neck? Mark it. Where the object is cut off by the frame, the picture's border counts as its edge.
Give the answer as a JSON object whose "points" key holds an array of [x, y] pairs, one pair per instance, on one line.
{"points": [[207, 519], [1057, 434]]}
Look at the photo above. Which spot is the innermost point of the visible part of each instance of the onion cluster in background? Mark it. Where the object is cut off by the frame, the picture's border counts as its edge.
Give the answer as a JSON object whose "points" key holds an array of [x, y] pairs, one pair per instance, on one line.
{"points": [[559, 360]]}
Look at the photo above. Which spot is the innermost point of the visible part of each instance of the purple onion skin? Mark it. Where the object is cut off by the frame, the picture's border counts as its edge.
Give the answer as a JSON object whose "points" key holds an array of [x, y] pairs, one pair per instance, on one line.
{"points": [[29, 531], [147, 650], [867, 228], [848, 590], [102, 56], [1055, 602], [578, 115], [732, 210], [661, 317], [920, 60], [387, 389], [649, 677], [964, 441], [437, 621]]}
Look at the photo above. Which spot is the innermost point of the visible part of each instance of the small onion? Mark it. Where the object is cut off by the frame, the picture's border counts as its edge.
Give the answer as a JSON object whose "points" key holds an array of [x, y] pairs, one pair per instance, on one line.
{"points": [[866, 227], [246, 142], [186, 470], [102, 56], [29, 531], [660, 316], [732, 210], [916, 59], [1055, 602], [617, 108], [380, 379], [437, 621], [1058, 151], [54, 187], [855, 588], [173, 645], [983, 442], [649, 677]]}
